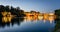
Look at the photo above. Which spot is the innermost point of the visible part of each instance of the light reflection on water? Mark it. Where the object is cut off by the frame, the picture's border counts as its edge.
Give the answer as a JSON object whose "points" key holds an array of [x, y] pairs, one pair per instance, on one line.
{"points": [[50, 19], [28, 24]]}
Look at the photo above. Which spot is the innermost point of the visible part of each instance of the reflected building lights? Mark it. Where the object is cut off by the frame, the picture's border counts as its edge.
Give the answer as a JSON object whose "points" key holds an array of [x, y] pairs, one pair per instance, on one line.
{"points": [[44, 21], [7, 17], [51, 18], [41, 16]]}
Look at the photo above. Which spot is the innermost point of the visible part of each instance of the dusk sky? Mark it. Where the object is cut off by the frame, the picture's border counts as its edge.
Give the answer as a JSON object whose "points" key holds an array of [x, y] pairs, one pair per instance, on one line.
{"points": [[37, 5]]}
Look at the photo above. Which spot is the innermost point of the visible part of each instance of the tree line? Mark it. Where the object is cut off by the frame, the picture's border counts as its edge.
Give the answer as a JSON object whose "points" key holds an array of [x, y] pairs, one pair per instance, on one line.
{"points": [[14, 11], [57, 20]]}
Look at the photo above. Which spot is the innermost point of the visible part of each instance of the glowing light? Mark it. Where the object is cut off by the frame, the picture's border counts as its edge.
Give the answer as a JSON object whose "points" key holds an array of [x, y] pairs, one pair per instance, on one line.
{"points": [[7, 17]]}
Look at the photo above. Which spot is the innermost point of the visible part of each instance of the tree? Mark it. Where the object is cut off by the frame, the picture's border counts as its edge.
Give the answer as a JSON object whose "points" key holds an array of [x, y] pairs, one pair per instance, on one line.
{"points": [[57, 21], [7, 8], [57, 12]]}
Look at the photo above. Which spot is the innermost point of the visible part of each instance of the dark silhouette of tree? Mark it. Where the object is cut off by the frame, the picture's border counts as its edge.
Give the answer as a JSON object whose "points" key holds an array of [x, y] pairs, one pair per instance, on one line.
{"points": [[14, 11], [7, 8], [2, 8], [57, 12], [22, 13], [57, 21], [33, 11], [17, 11]]}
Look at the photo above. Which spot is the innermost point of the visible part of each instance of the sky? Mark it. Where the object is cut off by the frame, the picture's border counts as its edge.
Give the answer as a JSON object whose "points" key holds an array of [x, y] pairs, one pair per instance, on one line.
{"points": [[36, 5]]}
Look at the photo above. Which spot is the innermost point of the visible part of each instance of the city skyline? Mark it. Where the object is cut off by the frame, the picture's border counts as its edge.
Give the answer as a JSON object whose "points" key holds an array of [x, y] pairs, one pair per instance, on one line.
{"points": [[36, 5]]}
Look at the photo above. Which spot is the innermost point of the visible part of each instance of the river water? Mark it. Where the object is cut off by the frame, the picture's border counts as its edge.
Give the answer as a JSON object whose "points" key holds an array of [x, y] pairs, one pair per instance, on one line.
{"points": [[28, 25]]}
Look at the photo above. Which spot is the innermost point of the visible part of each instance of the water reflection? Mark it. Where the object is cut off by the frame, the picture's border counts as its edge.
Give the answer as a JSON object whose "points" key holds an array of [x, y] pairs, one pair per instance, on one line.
{"points": [[12, 22], [7, 16], [57, 26], [40, 17], [9, 21]]}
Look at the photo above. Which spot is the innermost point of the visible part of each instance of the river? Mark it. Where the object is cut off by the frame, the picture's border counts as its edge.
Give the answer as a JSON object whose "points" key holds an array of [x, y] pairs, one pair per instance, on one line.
{"points": [[28, 25]]}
